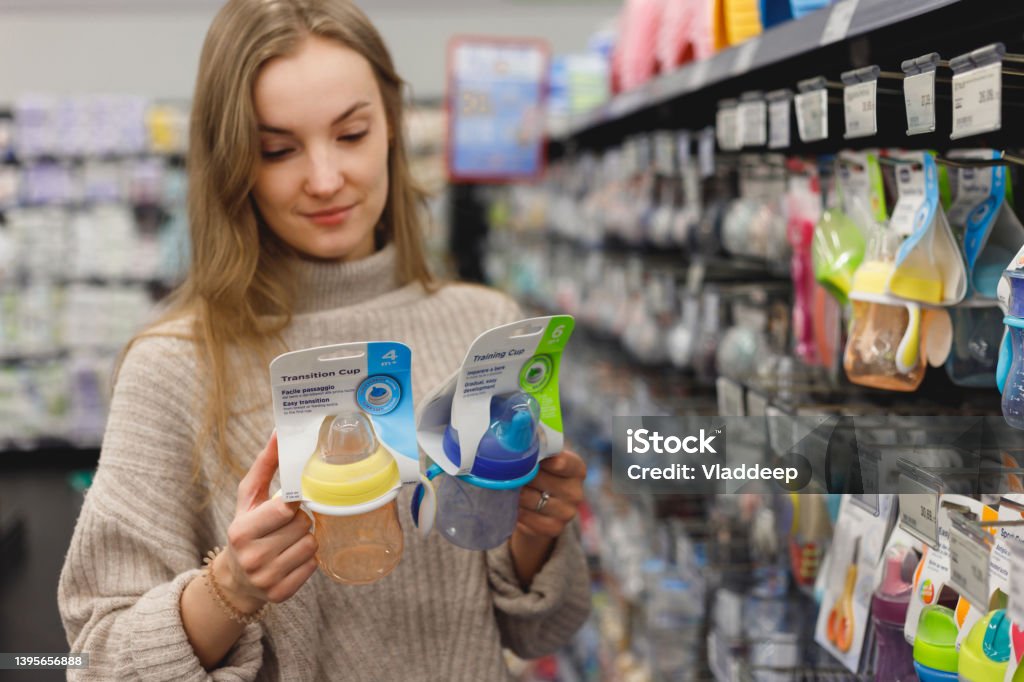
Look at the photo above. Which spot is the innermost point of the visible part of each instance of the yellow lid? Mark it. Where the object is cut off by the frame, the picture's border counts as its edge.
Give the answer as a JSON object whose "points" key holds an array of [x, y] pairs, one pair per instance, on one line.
{"points": [[917, 284], [349, 466], [872, 277]]}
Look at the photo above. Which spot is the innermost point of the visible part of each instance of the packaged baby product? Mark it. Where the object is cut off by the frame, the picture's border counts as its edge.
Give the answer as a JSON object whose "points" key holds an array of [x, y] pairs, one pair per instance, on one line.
{"points": [[346, 442], [486, 429]]}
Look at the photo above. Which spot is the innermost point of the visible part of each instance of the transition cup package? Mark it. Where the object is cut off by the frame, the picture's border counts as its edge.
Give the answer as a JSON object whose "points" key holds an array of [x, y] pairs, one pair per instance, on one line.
{"points": [[990, 231], [929, 267], [840, 238], [485, 430], [856, 549], [346, 443], [912, 271]]}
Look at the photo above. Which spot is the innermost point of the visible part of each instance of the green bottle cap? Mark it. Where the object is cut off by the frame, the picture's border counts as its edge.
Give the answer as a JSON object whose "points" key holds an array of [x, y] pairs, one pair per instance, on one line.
{"points": [[935, 644]]}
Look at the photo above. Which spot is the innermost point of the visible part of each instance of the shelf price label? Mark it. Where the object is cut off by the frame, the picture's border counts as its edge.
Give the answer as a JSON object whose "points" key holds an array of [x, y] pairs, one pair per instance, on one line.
{"points": [[812, 115], [781, 430], [968, 562], [1015, 608], [919, 93], [757, 404], [706, 152], [728, 126], [683, 143], [754, 112], [919, 506], [730, 398], [860, 96], [665, 152], [977, 91], [779, 118]]}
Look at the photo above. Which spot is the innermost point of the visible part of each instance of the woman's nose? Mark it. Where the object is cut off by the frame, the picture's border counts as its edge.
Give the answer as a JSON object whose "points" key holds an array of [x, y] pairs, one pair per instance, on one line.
{"points": [[326, 175]]}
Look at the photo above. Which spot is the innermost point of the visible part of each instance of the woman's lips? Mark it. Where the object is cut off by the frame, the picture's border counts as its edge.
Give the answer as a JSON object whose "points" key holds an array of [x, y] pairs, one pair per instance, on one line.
{"points": [[331, 217]]}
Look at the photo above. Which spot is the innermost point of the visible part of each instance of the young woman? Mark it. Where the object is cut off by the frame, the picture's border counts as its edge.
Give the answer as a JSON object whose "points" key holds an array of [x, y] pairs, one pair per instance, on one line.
{"points": [[305, 232]]}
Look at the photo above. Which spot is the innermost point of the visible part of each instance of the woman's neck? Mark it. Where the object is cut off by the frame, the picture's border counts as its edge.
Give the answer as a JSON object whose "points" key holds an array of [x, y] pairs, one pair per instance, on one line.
{"points": [[324, 285]]}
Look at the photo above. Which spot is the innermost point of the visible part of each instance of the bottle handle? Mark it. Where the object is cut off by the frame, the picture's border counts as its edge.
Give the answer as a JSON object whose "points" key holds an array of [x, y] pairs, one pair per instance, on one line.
{"points": [[302, 506], [908, 352], [424, 501], [1005, 360]]}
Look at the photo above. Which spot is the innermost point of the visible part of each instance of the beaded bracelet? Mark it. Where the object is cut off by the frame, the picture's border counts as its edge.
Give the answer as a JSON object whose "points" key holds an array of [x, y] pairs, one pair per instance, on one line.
{"points": [[218, 596]]}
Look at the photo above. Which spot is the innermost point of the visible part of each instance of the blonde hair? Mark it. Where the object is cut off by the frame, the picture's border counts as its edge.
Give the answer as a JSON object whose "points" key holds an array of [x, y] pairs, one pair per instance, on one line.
{"points": [[237, 293]]}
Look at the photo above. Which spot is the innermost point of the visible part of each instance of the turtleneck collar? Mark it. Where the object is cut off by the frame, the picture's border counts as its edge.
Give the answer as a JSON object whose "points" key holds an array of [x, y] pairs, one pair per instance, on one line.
{"points": [[324, 285]]}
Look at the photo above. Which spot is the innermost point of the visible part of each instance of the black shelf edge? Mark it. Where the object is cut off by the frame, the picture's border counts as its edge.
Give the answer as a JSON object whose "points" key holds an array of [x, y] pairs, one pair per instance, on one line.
{"points": [[50, 456]]}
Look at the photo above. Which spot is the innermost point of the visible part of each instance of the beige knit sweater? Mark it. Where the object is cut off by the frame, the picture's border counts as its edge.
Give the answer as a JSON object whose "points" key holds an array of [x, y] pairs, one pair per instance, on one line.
{"points": [[443, 614]]}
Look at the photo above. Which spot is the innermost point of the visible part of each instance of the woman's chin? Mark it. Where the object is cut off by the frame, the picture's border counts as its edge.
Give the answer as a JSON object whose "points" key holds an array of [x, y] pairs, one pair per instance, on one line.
{"points": [[337, 250]]}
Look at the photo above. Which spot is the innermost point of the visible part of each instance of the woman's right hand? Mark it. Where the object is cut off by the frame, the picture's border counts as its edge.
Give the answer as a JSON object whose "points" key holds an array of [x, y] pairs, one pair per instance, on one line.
{"points": [[270, 552]]}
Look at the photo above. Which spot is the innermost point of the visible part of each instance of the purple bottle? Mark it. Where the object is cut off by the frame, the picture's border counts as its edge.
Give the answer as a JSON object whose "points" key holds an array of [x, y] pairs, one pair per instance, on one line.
{"points": [[894, 658]]}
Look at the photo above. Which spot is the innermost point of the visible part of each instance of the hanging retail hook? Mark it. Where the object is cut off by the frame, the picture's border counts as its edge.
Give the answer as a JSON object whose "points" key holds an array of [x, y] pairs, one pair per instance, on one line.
{"points": [[818, 83]]}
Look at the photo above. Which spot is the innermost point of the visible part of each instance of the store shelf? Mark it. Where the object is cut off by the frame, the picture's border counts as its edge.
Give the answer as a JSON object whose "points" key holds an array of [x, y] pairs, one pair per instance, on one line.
{"points": [[799, 38], [47, 453]]}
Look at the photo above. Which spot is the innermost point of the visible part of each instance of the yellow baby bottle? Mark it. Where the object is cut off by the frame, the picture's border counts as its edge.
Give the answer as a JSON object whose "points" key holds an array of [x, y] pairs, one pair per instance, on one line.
{"points": [[350, 487]]}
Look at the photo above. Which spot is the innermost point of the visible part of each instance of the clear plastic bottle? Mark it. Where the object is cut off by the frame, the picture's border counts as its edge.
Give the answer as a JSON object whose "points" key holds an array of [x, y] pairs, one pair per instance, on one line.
{"points": [[478, 510], [350, 487], [977, 332], [883, 350], [1013, 388]]}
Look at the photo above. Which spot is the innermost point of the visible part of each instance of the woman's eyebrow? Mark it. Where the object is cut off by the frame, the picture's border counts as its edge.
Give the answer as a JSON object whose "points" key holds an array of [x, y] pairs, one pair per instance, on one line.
{"points": [[344, 115]]}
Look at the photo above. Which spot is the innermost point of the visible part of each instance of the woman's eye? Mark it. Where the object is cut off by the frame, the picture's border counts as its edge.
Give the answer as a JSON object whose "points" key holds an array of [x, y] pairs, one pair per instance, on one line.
{"points": [[271, 154], [353, 137]]}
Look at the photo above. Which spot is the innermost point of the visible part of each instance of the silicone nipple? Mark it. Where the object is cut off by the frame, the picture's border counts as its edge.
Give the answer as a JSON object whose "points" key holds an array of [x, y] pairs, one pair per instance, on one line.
{"points": [[515, 427], [349, 440], [516, 434]]}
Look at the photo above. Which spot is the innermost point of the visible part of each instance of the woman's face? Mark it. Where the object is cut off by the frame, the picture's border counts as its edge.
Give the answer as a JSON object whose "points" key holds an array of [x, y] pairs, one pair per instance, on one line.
{"points": [[322, 179]]}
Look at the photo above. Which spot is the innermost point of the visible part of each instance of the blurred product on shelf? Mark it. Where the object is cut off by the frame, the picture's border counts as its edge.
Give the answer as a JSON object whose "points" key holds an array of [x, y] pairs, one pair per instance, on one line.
{"points": [[635, 55], [736, 21], [93, 231]]}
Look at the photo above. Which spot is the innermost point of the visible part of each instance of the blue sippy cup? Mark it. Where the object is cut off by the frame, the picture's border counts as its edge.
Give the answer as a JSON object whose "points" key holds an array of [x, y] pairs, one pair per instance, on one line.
{"points": [[1010, 368], [478, 510]]}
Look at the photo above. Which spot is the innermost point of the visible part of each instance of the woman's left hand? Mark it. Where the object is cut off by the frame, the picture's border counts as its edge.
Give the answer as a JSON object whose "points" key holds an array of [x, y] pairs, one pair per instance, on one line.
{"points": [[546, 506], [550, 501]]}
